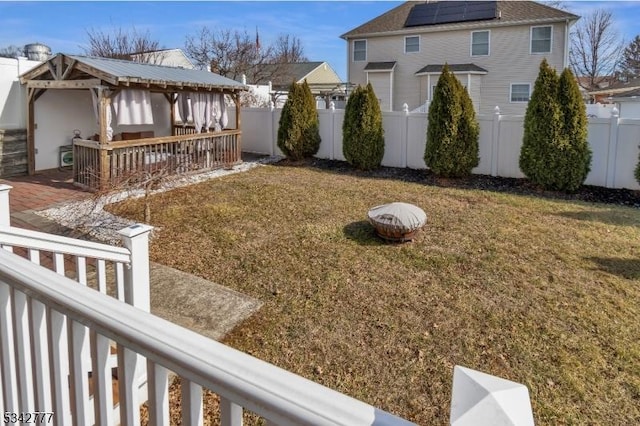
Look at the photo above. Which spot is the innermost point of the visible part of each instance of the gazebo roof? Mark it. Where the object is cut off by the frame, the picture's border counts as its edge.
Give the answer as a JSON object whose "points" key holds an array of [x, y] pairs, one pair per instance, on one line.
{"points": [[64, 69]]}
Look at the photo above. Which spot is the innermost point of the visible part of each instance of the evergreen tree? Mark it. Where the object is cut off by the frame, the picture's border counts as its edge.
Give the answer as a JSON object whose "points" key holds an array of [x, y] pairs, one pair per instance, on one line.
{"points": [[452, 133], [362, 131], [299, 130], [630, 66], [542, 128], [574, 156]]}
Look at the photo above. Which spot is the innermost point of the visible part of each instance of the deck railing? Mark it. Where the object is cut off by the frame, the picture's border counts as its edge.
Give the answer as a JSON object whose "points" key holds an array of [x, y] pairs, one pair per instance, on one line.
{"points": [[64, 319], [124, 162]]}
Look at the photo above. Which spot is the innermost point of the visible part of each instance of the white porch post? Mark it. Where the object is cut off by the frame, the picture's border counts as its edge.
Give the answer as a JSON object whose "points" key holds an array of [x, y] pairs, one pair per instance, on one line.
{"points": [[136, 239], [5, 212]]}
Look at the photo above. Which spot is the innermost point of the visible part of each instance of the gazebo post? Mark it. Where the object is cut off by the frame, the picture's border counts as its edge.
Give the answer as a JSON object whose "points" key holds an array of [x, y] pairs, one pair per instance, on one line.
{"points": [[104, 140], [172, 113], [236, 99], [31, 127]]}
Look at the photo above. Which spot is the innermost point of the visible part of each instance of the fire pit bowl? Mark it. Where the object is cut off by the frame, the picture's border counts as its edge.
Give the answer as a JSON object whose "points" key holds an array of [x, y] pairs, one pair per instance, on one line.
{"points": [[397, 221]]}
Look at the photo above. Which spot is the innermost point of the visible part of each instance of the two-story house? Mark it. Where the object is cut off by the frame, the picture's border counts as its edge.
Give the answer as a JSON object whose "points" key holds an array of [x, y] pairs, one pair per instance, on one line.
{"points": [[493, 47]]}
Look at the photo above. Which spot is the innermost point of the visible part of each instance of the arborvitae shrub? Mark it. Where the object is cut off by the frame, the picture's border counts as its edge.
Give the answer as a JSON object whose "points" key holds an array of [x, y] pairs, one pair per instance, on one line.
{"points": [[452, 133], [362, 132], [543, 137], [299, 130], [574, 158], [555, 153]]}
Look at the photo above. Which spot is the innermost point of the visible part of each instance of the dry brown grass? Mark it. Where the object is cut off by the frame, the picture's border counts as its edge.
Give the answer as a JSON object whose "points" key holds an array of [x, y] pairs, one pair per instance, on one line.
{"points": [[542, 292]]}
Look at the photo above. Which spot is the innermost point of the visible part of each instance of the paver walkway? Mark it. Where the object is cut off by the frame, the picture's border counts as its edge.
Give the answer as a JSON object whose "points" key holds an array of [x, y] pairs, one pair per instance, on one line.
{"points": [[200, 305]]}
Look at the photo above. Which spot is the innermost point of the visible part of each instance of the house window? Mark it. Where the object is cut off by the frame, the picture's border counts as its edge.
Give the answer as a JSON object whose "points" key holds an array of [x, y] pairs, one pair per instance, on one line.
{"points": [[411, 44], [520, 92], [480, 43], [360, 50], [541, 39]]}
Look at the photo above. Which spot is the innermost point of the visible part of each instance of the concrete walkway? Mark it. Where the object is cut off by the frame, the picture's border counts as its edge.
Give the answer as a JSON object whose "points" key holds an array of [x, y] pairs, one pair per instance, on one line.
{"points": [[192, 302]]}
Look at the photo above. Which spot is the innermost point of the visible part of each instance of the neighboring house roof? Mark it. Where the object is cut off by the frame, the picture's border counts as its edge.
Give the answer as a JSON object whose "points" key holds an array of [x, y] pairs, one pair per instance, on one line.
{"points": [[125, 73], [464, 68], [319, 75], [630, 94], [508, 13], [618, 87], [380, 66], [168, 57]]}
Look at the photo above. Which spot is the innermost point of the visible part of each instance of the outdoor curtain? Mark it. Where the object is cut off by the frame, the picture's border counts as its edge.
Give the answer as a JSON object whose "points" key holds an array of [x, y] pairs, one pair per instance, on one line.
{"points": [[208, 109], [96, 111], [133, 107]]}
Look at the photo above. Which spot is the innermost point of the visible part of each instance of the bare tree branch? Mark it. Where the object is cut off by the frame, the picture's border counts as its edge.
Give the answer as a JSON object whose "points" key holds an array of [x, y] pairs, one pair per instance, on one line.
{"points": [[596, 48], [630, 65], [288, 49], [11, 51], [123, 44]]}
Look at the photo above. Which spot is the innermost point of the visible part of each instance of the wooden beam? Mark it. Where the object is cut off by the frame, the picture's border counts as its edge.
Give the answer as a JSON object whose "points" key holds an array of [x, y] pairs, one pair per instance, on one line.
{"points": [[52, 69], [39, 92], [67, 72], [171, 97], [31, 129], [59, 62], [104, 158], [63, 84], [97, 73]]}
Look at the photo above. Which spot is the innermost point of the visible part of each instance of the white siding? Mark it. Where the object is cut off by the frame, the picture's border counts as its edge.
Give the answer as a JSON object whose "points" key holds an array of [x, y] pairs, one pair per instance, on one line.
{"points": [[509, 61], [381, 82]]}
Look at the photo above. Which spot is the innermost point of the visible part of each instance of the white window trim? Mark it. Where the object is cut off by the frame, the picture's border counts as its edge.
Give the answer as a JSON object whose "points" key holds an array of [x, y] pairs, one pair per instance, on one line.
{"points": [[511, 93], [353, 54], [488, 41], [419, 43], [531, 52]]}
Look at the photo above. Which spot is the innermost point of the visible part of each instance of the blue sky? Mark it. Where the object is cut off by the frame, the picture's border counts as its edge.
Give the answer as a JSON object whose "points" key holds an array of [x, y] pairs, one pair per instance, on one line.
{"points": [[63, 25]]}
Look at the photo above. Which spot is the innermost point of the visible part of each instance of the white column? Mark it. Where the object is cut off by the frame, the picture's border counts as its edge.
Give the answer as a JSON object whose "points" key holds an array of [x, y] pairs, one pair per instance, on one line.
{"points": [[5, 212], [136, 239], [495, 141]]}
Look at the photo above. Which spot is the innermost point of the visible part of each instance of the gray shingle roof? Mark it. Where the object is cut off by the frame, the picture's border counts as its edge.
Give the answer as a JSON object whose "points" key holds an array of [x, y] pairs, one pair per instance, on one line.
{"points": [[509, 12], [432, 69], [380, 66], [158, 74]]}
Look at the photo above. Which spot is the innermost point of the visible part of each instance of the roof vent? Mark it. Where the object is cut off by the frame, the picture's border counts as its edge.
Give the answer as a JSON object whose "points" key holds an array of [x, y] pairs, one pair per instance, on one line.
{"points": [[37, 52]]}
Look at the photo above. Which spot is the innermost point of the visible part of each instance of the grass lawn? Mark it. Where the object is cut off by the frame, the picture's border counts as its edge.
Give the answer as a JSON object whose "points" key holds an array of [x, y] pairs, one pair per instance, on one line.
{"points": [[542, 292]]}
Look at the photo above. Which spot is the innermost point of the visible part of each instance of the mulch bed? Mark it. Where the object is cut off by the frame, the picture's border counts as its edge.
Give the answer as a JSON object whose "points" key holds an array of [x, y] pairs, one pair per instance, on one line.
{"points": [[587, 193]]}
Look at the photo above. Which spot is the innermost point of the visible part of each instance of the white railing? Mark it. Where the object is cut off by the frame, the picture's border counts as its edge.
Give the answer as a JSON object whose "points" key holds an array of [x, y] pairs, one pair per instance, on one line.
{"points": [[53, 332]]}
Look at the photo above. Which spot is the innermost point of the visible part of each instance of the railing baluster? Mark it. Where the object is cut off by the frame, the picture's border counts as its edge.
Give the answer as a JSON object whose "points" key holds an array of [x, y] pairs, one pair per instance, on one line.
{"points": [[127, 386], [7, 353], [81, 270], [101, 275], [158, 389], [59, 362], [23, 351], [120, 281], [79, 368], [102, 380], [192, 414], [230, 413], [40, 358]]}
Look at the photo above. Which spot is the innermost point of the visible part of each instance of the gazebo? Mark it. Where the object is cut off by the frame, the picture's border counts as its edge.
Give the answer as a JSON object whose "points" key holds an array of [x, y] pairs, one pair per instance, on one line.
{"points": [[106, 159]]}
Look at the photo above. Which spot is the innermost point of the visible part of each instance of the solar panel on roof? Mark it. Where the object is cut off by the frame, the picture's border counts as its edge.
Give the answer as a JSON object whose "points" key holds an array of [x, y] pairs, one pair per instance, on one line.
{"points": [[445, 12]]}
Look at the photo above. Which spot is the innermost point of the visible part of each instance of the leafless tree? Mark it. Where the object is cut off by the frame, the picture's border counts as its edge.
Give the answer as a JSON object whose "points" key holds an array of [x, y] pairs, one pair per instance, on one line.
{"points": [[11, 51], [630, 65], [122, 44], [288, 49], [557, 4], [596, 48], [228, 53]]}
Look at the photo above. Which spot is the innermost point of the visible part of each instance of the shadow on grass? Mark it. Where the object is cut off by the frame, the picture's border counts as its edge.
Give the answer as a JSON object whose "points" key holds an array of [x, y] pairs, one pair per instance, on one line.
{"points": [[610, 217], [363, 233], [625, 268]]}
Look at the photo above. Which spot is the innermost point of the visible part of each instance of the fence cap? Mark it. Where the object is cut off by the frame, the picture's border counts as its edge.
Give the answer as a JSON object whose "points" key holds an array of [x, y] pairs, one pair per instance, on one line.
{"points": [[615, 112], [135, 230], [5, 187]]}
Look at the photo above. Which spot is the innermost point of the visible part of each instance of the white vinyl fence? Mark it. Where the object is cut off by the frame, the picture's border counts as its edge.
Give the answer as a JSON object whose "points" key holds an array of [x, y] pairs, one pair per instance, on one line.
{"points": [[614, 142]]}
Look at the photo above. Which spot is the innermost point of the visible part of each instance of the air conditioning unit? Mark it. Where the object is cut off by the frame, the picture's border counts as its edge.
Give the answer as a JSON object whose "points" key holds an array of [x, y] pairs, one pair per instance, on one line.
{"points": [[66, 156]]}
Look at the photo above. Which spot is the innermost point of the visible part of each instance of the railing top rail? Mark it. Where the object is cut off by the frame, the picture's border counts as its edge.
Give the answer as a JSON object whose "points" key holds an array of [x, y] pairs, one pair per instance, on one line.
{"points": [[168, 139], [265, 389], [20, 237]]}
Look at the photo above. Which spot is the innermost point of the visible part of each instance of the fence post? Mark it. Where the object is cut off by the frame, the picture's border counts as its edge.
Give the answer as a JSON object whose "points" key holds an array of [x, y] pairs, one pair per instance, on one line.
{"points": [[272, 148], [613, 149], [332, 114], [404, 136], [495, 141], [5, 212]]}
